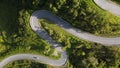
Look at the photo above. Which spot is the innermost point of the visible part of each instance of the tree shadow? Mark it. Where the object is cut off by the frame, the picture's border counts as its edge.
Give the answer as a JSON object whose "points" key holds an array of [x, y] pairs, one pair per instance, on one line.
{"points": [[94, 57]]}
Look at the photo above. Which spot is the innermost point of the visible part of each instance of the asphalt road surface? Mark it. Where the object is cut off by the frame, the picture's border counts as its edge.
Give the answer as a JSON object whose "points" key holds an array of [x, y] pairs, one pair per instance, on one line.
{"points": [[44, 14], [109, 6]]}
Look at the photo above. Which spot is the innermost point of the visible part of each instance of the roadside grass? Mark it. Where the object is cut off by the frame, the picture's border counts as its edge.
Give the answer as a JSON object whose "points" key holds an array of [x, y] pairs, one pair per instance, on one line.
{"points": [[89, 17], [25, 64], [84, 15], [29, 50], [116, 1], [108, 23]]}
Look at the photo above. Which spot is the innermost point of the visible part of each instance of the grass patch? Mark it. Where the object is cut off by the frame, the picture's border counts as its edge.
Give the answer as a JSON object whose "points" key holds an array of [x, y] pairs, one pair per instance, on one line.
{"points": [[116, 1]]}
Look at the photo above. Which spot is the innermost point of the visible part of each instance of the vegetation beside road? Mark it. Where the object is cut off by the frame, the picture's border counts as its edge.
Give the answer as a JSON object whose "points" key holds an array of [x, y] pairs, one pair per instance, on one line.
{"points": [[116, 1], [25, 64], [89, 54], [17, 35], [83, 15]]}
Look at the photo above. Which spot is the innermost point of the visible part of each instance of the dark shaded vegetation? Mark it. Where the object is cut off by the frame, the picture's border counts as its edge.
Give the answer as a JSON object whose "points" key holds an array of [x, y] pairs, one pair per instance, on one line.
{"points": [[83, 15], [25, 64], [16, 34], [18, 37], [116, 1], [83, 53]]}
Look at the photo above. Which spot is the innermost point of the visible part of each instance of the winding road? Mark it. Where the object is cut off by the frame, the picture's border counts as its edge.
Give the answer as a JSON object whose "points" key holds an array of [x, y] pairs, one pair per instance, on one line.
{"points": [[44, 14], [109, 6]]}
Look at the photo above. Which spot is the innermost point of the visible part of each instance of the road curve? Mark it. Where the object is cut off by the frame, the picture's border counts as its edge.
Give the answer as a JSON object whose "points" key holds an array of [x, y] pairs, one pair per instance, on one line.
{"points": [[43, 14], [36, 58], [109, 6], [70, 29], [43, 34]]}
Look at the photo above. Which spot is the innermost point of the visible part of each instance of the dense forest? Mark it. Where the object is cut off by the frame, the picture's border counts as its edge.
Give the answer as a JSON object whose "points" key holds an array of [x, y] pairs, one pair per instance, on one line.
{"points": [[16, 35]]}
